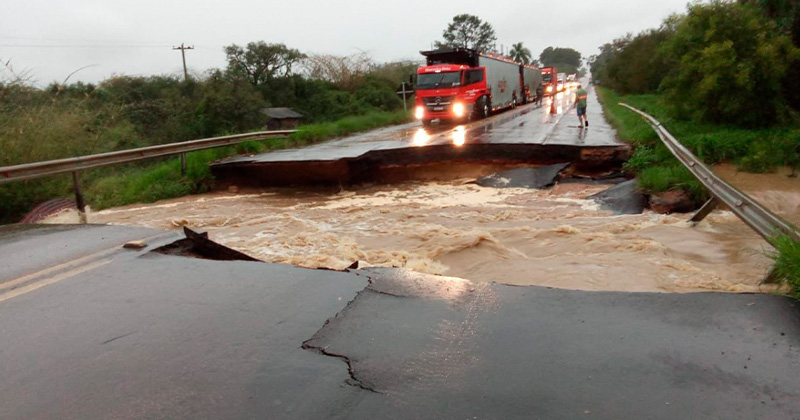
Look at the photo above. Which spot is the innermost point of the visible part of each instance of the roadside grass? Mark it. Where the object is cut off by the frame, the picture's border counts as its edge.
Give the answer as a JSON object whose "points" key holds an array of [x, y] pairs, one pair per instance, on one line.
{"points": [[787, 262], [160, 179], [652, 163], [311, 133], [752, 150]]}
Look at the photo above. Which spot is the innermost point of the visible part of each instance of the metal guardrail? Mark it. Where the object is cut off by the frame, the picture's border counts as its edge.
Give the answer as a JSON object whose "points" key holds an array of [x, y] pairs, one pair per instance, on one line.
{"points": [[53, 167], [77, 164], [760, 219]]}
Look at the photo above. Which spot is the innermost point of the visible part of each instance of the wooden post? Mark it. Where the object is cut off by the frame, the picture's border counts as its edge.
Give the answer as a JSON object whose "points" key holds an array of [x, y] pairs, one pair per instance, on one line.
{"points": [[79, 202], [183, 164]]}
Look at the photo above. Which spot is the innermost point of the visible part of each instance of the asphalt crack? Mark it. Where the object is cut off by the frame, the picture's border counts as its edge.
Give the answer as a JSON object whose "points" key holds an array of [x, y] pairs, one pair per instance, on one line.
{"points": [[353, 381]]}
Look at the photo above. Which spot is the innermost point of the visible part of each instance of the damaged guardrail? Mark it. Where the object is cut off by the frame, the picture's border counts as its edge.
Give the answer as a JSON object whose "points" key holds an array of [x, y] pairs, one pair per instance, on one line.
{"points": [[760, 219], [77, 164]]}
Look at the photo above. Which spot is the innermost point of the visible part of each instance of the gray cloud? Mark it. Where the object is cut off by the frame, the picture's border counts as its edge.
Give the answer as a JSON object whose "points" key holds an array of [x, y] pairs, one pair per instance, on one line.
{"points": [[54, 38]]}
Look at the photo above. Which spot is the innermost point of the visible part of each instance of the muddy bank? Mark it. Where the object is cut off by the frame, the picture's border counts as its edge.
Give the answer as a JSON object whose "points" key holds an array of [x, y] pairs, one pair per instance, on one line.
{"points": [[553, 237]]}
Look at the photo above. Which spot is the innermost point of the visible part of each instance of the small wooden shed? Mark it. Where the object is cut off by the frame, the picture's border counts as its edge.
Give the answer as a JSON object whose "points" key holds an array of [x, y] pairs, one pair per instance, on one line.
{"points": [[282, 118]]}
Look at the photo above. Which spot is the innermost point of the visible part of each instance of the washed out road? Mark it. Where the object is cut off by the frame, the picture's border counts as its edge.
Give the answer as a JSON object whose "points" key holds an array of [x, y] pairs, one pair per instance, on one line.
{"points": [[89, 329], [148, 335]]}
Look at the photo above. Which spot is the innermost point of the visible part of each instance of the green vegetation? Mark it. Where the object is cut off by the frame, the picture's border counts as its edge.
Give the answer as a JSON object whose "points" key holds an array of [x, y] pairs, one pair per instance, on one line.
{"points": [[468, 31], [787, 262], [753, 150], [520, 53], [657, 170], [723, 62], [337, 95], [566, 60], [149, 182], [322, 131], [718, 77]]}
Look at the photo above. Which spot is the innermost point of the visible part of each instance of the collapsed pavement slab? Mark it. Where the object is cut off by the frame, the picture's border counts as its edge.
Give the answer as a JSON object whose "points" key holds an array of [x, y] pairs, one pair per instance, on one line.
{"points": [[623, 198], [538, 178]]}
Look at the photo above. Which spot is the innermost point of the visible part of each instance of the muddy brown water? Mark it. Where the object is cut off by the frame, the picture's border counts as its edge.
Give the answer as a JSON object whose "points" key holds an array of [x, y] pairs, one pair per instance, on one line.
{"points": [[553, 238], [777, 191]]}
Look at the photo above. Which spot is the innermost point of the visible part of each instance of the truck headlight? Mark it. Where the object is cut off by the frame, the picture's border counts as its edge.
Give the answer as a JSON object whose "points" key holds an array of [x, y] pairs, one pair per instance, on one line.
{"points": [[550, 89], [419, 112], [458, 109]]}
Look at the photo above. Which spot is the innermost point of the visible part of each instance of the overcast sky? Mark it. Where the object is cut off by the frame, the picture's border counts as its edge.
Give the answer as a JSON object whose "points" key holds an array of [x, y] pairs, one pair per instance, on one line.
{"points": [[53, 38]]}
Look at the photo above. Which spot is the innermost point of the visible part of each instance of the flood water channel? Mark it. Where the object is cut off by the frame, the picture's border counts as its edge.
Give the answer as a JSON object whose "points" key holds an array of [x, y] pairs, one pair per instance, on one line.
{"points": [[554, 237]]}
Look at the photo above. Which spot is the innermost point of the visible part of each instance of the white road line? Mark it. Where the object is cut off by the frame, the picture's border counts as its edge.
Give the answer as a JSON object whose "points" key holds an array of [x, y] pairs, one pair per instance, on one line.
{"points": [[50, 280]]}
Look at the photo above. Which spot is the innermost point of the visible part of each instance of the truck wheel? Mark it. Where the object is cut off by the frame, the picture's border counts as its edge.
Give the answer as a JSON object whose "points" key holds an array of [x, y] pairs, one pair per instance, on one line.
{"points": [[484, 108]]}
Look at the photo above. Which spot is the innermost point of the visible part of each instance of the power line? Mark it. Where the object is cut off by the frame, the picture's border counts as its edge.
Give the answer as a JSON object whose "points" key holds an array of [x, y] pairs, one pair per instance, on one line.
{"points": [[78, 46]]}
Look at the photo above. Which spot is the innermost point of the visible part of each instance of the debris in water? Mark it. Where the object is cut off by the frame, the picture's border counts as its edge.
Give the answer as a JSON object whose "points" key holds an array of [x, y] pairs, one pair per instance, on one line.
{"points": [[135, 244]]}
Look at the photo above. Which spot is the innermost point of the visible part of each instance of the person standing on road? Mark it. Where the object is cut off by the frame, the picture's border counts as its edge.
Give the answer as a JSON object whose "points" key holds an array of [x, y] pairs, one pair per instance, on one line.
{"points": [[539, 94], [580, 103]]}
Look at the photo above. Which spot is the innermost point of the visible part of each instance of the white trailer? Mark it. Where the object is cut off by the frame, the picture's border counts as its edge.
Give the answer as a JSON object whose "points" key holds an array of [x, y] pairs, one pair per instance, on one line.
{"points": [[502, 80], [531, 81]]}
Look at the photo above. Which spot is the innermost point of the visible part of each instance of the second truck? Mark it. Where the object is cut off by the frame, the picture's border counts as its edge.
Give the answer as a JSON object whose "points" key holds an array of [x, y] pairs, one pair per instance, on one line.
{"points": [[462, 84]]}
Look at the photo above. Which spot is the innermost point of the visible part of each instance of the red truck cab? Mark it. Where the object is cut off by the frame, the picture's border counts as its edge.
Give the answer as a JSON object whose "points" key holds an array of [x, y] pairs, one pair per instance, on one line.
{"points": [[550, 80], [448, 91], [461, 84]]}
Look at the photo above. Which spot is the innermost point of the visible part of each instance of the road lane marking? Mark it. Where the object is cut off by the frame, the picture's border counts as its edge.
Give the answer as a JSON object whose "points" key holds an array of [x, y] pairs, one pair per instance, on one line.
{"points": [[10, 285], [50, 280]]}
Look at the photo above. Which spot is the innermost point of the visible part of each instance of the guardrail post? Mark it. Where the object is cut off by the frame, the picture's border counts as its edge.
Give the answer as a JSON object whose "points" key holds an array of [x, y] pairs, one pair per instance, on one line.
{"points": [[79, 202], [704, 211], [183, 164]]}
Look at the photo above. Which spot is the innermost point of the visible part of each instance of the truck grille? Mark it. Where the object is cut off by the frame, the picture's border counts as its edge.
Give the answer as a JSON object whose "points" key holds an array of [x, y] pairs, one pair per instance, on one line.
{"points": [[443, 102]]}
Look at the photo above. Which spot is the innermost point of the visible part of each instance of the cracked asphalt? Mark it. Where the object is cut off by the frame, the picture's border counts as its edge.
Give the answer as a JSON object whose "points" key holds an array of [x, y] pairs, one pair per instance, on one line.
{"points": [[104, 332]]}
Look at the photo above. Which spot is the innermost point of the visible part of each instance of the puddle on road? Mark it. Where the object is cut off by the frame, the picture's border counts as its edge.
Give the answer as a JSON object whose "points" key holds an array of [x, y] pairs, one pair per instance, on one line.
{"points": [[514, 236]]}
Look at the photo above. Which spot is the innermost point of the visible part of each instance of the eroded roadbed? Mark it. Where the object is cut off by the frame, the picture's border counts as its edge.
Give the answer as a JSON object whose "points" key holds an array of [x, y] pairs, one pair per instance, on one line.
{"points": [[149, 335], [529, 135]]}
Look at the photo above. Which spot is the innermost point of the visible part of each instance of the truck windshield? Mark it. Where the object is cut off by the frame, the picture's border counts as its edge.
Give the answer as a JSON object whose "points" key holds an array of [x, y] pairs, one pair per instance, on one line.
{"points": [[439, 80], [547, 77]]}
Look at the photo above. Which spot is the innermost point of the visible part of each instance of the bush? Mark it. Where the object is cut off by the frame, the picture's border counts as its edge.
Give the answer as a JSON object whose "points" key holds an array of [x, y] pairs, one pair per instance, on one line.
{"points": [[727, 61], [665, 178], [787, 262]]}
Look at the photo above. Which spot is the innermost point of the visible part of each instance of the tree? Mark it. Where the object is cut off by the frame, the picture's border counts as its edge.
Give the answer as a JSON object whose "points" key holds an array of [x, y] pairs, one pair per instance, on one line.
{"points": [[346, 72], [468, 31], [520, 54], [566, 60], [260, 62], [726, 61]]}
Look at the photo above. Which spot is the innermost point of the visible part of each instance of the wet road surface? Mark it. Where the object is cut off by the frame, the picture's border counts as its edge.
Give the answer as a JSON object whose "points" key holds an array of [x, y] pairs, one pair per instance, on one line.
{"points": [[155, 336], [540, 134]]}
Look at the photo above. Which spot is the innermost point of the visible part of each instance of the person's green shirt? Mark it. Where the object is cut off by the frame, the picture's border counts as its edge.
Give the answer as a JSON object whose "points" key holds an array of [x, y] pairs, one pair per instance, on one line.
{"points": [[580, 97]]}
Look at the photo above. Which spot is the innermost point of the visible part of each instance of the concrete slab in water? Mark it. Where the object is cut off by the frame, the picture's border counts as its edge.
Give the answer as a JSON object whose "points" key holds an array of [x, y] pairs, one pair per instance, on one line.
{"points": [[539, 178], [623, 198]]}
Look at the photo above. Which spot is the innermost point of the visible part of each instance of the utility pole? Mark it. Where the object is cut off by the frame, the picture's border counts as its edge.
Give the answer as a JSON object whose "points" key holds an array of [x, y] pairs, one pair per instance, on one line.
{"points": [[183, 49]]}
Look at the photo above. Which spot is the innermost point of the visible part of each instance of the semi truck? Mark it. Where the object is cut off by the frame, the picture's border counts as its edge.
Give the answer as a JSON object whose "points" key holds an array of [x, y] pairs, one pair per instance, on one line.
{"points": [[550, 80], [531, 82], [465, 84]]}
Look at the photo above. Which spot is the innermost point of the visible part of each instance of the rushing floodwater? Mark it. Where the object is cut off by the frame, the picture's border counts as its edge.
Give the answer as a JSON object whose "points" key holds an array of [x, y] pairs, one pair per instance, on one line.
{"points": [[516, 236]]}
